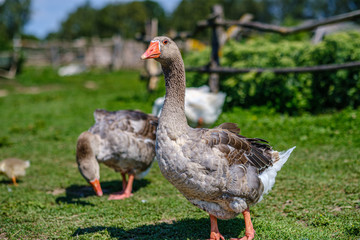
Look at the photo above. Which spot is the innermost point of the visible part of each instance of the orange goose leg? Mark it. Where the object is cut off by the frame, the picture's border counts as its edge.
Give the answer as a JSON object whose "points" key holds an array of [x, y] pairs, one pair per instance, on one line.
{"points": [[124, 182], [214, 232], [127, 188], [200, 123], [14, 181], [249, 229]]}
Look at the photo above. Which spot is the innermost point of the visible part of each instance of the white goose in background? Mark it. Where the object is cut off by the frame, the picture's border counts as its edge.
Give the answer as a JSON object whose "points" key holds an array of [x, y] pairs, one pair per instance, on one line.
{"points": [[124, 141], [202, 107], [216, 169]]}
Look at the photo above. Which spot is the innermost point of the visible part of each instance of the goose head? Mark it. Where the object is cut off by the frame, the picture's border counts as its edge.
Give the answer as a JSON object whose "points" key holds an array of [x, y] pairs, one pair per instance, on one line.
{"points": [[90, 170], [86, 160], [163, 50]]}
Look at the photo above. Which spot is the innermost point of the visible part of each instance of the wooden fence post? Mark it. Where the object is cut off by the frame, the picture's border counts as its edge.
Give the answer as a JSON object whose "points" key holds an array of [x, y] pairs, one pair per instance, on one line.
{"points": [[116, 60], [55, 56], [152, 68], [216, 33]]}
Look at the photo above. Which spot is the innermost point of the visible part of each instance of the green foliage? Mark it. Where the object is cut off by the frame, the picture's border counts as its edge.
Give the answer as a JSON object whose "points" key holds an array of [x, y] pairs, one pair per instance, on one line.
{"points": [[122, 20], [292, 93], [5, 42], [316, 194], [14, 14], [188, 12], [354, 228], [125, 19], [283, 12], [128, 18], [79, 23]]}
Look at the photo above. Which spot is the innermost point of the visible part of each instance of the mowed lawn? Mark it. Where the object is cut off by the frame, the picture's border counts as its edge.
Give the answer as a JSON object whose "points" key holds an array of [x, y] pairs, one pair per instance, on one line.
{"points": [[316, 195]]}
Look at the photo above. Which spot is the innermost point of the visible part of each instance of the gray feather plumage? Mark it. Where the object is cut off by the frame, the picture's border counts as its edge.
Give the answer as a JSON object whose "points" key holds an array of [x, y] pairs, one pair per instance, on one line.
{"points": [[126, 139]]}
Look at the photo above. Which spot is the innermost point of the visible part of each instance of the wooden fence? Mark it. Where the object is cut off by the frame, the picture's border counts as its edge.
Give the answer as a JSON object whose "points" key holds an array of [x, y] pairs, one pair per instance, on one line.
{"points": [[113, 53]]}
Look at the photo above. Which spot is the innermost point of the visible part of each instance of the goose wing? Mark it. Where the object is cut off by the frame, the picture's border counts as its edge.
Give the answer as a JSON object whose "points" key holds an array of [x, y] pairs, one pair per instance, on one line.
{"points": [[237, 148]]}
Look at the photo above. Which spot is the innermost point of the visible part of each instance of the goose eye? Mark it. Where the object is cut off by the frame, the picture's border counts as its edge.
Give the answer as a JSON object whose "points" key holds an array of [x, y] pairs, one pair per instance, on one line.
{"points": [[165, 42]]}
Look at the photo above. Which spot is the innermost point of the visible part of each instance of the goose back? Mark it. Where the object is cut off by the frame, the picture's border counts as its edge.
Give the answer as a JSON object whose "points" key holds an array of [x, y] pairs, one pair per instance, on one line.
{"points": [[127, 139]]}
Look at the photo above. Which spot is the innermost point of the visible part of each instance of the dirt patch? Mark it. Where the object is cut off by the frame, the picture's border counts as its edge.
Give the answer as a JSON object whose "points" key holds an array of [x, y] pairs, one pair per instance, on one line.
{"points": [[3, 93], [339, 208], [56, 191], [91, 85], [19, 88], [3, 235], [168, 221], [303, 223], [36, 90]]}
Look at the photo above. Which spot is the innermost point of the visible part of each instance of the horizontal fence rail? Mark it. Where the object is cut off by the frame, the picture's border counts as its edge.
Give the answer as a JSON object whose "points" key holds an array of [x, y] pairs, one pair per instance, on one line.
{"points": [[320, 68]]}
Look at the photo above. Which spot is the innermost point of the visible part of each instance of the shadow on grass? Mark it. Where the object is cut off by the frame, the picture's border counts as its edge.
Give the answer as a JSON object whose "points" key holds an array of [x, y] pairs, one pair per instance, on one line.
{"points": [[9, 182], [183, 229], [75, 193]]}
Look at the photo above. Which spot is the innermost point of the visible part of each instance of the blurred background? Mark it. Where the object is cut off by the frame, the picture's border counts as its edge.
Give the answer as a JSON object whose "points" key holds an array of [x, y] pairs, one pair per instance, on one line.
{"points": [[286, 71], [76, 36]]}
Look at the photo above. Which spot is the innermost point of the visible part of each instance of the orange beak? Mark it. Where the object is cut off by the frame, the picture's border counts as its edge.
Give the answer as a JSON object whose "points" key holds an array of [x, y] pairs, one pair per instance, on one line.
{"points": [[97, 188], [153, 51]]}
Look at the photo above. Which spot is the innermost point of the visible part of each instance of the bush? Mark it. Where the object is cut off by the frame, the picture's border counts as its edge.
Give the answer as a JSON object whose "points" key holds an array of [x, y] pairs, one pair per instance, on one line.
{"points": [[292, 93]]}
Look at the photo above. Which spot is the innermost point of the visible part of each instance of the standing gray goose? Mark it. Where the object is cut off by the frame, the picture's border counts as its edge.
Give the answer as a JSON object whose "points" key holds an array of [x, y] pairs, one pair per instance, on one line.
{"points": [[216, 169], [123, 140]]}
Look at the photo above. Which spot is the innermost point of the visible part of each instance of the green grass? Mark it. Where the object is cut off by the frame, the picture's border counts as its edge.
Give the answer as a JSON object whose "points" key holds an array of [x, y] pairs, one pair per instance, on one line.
{"points": [[316, 195]]}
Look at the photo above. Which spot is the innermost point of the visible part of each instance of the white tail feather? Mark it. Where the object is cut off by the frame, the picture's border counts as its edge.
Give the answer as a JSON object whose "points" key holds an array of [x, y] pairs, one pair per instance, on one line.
{"points": [[143, 174], [268, 176]]}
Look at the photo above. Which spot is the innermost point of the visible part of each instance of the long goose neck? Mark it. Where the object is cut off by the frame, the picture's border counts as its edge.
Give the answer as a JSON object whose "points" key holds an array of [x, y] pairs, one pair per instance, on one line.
{"points": [[173, 112]]}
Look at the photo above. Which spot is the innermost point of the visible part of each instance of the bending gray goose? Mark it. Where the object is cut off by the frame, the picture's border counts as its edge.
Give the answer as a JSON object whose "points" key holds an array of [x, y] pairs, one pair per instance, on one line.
{"points": [[216, 169], [123, 140]]}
